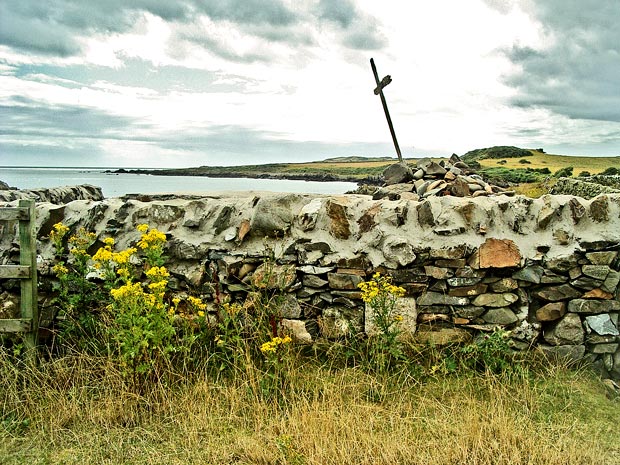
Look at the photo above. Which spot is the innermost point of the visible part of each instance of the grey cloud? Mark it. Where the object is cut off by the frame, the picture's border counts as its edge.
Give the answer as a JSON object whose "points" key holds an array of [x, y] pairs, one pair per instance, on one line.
{"points": [[24, 117], [342, 12], [359, 31], [58, 27], [578, 76], [272, 12]]}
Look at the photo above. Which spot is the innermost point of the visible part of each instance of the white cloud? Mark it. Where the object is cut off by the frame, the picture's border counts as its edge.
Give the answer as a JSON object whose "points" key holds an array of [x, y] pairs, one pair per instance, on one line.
{"points": [[299, 78]]}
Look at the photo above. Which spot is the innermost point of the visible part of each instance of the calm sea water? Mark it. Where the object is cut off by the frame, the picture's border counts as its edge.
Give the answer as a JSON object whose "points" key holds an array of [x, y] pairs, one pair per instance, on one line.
{"points": [[114, 185]]}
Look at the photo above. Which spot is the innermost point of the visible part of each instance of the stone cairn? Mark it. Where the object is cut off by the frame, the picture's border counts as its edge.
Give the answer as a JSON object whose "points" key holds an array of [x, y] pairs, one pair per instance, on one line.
{"points": [[429, 178]]}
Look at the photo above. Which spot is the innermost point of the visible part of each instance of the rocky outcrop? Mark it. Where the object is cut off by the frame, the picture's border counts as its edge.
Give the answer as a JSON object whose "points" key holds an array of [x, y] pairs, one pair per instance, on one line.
{"points": [[547, 270], [55, 195], [429, 178]]}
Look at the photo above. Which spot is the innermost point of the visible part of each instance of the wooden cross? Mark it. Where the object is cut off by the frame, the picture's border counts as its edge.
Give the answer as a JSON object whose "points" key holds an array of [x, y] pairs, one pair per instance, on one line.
{"points": [[379, 91]]}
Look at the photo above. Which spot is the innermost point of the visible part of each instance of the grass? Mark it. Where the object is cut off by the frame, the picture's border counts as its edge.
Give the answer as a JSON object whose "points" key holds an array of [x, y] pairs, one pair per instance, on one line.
{"points": [[78, 410], [594, 165]]}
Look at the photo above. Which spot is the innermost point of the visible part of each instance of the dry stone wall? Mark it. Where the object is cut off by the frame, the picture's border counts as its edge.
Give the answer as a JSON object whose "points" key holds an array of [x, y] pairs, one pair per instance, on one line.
{"points": [[545, 269]]}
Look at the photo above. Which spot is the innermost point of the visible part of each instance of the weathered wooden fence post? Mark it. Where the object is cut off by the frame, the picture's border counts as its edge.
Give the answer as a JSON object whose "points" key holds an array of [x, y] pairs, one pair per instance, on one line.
{"points": [[26, 271]]}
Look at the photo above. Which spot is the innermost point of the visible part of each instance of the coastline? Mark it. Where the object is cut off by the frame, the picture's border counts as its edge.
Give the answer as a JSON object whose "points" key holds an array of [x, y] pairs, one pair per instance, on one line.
{"points": [[251, 173]]}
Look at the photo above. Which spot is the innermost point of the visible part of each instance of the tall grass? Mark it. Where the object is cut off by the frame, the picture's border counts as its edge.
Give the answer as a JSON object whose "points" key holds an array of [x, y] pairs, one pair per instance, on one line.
{"points": [[79, 409]]}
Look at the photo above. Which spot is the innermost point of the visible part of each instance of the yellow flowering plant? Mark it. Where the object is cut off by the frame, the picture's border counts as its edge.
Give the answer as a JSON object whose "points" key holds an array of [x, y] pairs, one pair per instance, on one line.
{"points": [[79, 298], [152, 242], [380, 294]]}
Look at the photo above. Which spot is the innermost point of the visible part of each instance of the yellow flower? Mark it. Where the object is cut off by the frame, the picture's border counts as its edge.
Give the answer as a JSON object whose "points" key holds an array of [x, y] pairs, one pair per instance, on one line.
{"points": [[60, 269], [197, 303], [201, 313], [176, 301], [109, 241], [271, 346], [142, 228], [157, 272]]}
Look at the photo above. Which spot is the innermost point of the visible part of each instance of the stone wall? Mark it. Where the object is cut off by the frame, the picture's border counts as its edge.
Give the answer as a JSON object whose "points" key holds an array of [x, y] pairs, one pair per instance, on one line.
{"points": [[546, 269], [587, 188]]}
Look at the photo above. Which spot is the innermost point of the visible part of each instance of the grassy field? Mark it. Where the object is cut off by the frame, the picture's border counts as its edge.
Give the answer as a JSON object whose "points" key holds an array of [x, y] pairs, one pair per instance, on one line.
{"points": [[79, 410], [594, 165]]}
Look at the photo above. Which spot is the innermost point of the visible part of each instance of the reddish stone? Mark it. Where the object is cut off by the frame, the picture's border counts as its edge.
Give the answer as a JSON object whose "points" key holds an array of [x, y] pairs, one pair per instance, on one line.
{"points": [[598, 294], [496, 253]]}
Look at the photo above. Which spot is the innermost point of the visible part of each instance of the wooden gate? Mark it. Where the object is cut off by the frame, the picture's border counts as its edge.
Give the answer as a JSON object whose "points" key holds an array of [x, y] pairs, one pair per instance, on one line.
{"points": [[26, 271]]}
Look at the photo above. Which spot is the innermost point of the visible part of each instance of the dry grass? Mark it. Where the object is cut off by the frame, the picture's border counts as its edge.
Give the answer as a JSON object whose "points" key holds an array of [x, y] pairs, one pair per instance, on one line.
{"points": [[79, 411]]}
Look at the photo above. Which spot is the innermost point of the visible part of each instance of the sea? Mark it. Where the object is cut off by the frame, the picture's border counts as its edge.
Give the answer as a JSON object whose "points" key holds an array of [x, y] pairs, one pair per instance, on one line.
{"points": [[116, 185]]}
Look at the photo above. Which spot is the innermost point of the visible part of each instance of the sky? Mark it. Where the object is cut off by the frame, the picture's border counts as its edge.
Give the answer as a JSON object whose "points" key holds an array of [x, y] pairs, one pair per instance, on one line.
{"points": [[164, 83]]}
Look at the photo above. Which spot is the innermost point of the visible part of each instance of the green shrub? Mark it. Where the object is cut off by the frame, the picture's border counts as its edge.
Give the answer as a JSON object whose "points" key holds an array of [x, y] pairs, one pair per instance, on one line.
{"points": [[564, 172]]}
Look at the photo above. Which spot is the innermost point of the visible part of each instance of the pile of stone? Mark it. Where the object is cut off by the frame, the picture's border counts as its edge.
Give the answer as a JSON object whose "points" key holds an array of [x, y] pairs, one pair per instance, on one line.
{"points": [[430, 178]]}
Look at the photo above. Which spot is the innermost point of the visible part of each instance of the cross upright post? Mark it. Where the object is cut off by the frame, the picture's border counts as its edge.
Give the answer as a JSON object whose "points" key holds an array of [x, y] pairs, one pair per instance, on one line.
{"points": [[379, 91]]}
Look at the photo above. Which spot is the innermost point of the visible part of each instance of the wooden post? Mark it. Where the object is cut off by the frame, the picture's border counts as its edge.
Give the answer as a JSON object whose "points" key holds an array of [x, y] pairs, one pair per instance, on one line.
{"points": [[379, 91], [26, 271], [28, 257]]}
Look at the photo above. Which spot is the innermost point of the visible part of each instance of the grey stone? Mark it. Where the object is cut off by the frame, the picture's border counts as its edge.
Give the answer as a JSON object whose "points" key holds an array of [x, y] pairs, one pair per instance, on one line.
{"points": [[557, 293], [454, 263], [572, 353], [561, 264], [469, 311], [593, 306], [577, 210], [586, 283], [309, 269], [289, 307], [551, 312], [495, 300], [336, 322], [412, 275], [468, 291], [306, 292], [421, 187], [602, 325], [440, 286], [296, 329], [405, 318], [434, 169], [437, 272], [531, 274], [527, 332], [418, 174], [314, 281], [425, 213], [594, 338], [309, 213], [611, 283], [461, 282], [343, 280], [450, 253], [504, 285], [568, 330], [599, 209], [435, 298], [602, 258], [398, 251], [397, 173], [500, 316], [392, 192], [271, 218], [552, 278], [599, 272], [603, 348]]}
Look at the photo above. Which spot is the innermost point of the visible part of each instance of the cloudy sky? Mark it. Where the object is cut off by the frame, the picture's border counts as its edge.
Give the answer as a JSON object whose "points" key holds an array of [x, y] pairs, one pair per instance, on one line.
{"points": [[221, 82]]}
